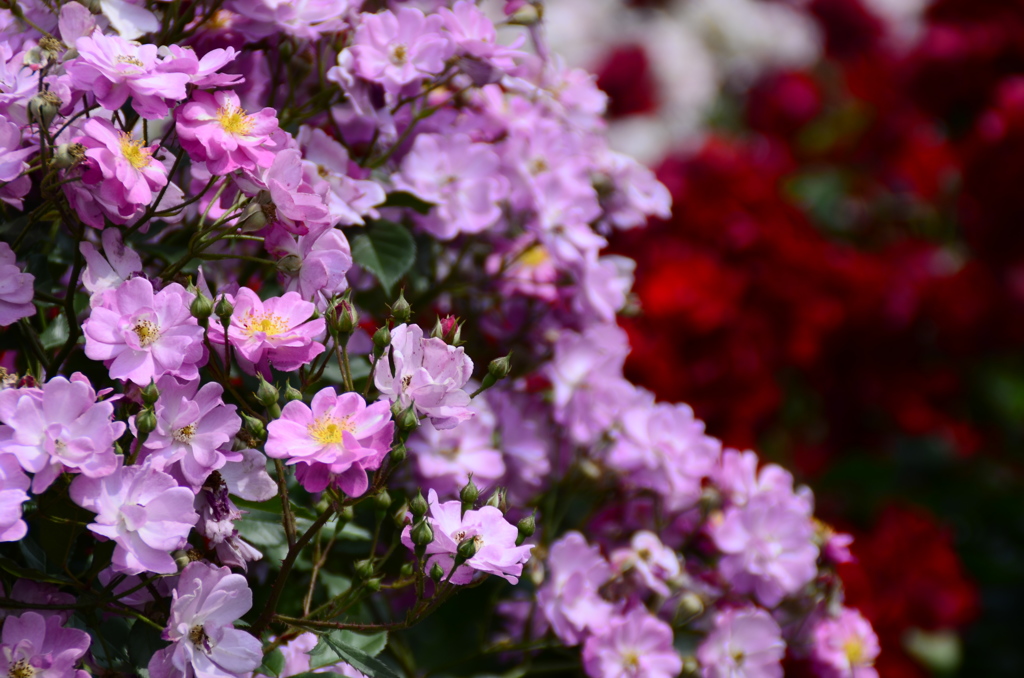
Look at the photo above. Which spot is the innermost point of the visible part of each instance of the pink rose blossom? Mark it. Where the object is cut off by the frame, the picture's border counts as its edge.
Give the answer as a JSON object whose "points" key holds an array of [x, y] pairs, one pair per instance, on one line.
{"points": [[445, 460], [314, 264], [194, 428], [337, 439], [276, 332], [458, 176], [16, 289], [569, 598], [399, 48], [59, 426], [494, 536], [119, 177], [141, 335], [845, 646], [213, 128], [637, 645], [648, 561], [204, 606], [141, 509], [768, 546], [41, 647], [745, 643], [428, 374], [13, 493], [290, 196], [113, 69], [107, 271]]}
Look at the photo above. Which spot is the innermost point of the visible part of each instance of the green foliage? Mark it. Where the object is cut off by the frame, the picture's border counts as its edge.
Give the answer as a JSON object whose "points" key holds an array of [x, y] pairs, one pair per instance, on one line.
{"points": [[387, 250]]}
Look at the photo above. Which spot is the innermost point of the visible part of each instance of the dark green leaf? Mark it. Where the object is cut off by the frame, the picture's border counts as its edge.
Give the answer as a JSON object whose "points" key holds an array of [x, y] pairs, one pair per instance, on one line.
{"points": [[56, 334], [387, 250], [273, 663], [403, 199], [356, 649], [143, 642]]}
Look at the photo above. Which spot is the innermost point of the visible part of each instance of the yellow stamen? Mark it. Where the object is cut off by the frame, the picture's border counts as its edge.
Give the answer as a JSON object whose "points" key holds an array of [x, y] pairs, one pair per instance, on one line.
{"points": [[534, 256], [134, 152], [854, 649], [328, 430], [147, 332], [21, 669], [125, 59], [269, 324], [234, 120], [185, 433]]}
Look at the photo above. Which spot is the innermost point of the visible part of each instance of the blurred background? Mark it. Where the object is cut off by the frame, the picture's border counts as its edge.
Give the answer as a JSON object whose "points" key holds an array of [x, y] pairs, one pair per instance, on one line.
{"points": [[841, 284]]}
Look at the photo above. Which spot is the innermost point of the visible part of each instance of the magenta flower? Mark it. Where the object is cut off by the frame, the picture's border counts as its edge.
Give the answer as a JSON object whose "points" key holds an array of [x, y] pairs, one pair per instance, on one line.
{"points": [[289, 199], [213, 128], [16, 288], [141, 336], [569, 598], [217, 516], [428, 374], [303, 19], [204, 606], [768, 546], [637, 645], [845, 646], [315, 264], [337, 439], [14, 181], [120, 177], [59, 426], [348, 199], [647, 561], [745, 643], [276, 332], [141, 509], [663, 447], [193, 428], [399, 48], [38, 646], [113, 69], [13, 493], [445, 460], [495, 538], [458, 176], [107, 271]]}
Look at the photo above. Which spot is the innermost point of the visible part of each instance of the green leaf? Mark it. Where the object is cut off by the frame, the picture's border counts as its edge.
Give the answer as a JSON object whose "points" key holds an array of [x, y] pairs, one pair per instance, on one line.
{"points": [[143, 642], [387, 250], [356, 649], [56, 334], [273, 664], [403, 199], [11, 567]]}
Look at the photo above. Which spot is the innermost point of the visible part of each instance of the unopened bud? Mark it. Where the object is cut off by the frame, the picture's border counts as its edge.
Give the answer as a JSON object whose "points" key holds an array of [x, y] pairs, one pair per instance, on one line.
{"points": [[407, 420], [346, 515], [43, 107], [691, 667], [398, 454], [145, 421], [448, 329], [150, 394], [201, 307], [291, 393], [266, 393], [253, 218], [93, 6], [346, 317], [181, 559], [469, 495], [255, 426], [364, 568], [400, 516], [422, 534], [382, 500], [223, 310], [373, 585], [68, 155], [497, 500], [289, 265], [436, 572], [467, 548], [418, 506], [527, 14], [406, 570], [401, 311], [499, 368], [526, 526], [690, 605], [381, 339]]}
